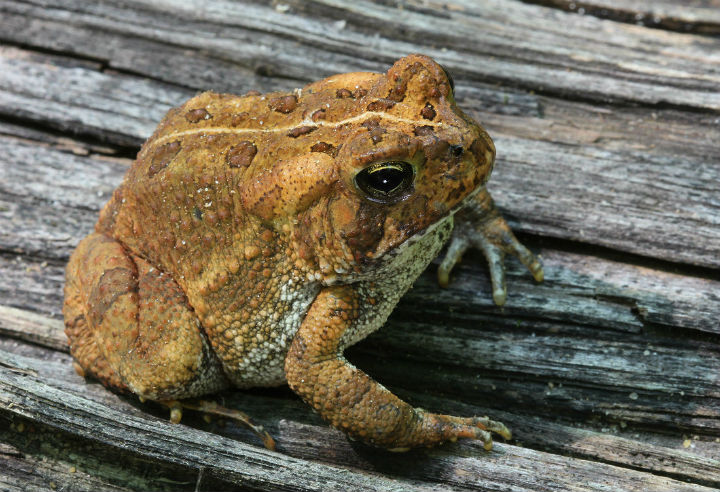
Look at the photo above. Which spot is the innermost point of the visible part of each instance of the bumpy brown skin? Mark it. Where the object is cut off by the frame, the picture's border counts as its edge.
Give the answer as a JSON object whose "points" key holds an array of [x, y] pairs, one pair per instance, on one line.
{"points": [[240, 250]]}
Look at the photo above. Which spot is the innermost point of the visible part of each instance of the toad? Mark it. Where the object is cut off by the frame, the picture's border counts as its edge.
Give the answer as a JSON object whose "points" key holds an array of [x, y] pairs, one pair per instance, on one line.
{"points": [[256, 237]]}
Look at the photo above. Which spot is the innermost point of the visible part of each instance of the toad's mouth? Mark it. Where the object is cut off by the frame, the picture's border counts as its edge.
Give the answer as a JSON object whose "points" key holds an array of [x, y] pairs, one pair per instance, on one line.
{"points": [[413, 255], [462, 203], [438, 216], [437, 231]]}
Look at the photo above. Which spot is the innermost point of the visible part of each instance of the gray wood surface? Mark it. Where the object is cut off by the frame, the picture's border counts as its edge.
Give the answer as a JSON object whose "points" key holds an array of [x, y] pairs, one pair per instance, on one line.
{"points": [[696, 16], [607, 123]]}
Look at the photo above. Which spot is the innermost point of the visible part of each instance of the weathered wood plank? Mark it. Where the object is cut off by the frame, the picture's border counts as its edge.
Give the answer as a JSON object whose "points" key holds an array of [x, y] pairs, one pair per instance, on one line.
{"points": [[559, 373], [23, 395], [77, 98], [72, 92], [619, 199], [579, 290], [311, 441], [299, 433], [287, 418], [31, 284], [32, 327], [583, 58], [35, 397], [698, 16], [28, 468], [50, 198]]}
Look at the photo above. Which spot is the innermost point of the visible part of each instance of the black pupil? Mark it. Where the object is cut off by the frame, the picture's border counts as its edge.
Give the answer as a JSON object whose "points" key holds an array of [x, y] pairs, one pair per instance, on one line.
{"points": [[385, 179]]}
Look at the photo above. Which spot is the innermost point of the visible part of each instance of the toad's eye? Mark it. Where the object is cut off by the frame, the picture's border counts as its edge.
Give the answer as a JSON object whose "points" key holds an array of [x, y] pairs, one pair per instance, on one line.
{"points": [[449, 77], [386, 182]]}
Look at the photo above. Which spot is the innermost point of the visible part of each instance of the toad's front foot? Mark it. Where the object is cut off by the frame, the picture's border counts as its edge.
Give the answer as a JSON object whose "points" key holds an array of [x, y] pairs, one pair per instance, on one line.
{"points": [[480, 225], [433, 428]]}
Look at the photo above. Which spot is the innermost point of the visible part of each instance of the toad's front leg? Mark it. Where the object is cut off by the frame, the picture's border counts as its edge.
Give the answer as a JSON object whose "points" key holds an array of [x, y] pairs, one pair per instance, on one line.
{"points": [[353, 402], [480, 224]]}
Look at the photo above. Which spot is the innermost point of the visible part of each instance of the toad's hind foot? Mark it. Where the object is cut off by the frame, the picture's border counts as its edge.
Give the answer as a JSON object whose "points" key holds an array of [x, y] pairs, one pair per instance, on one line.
{"points": [[212, 408]]}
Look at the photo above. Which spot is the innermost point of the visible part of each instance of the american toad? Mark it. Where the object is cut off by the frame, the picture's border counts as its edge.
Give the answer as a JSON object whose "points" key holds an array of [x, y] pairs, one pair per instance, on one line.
{"points": [[255, 237]]}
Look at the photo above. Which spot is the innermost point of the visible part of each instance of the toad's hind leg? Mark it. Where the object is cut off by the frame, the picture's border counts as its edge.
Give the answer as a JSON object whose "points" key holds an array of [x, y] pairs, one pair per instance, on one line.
{"points": [[130, 325]]}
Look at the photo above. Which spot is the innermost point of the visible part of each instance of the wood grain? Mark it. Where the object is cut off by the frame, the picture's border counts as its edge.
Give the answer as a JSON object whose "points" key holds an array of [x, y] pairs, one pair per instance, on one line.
{"points": [[607, 123], [36, 397], [698, 16]]}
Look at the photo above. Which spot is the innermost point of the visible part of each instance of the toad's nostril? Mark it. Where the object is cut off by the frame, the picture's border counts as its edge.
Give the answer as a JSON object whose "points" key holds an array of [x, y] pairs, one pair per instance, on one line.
{"points": [[457, 150]]}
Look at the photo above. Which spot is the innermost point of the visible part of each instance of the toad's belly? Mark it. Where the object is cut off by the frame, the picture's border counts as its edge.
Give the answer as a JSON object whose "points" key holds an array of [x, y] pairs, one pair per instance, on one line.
{"points": [[257, 350], [257, 356]]}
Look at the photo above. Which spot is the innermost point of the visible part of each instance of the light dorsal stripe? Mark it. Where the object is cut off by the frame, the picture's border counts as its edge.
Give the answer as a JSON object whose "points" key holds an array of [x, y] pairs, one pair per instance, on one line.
{"points": [[307, 122]]}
